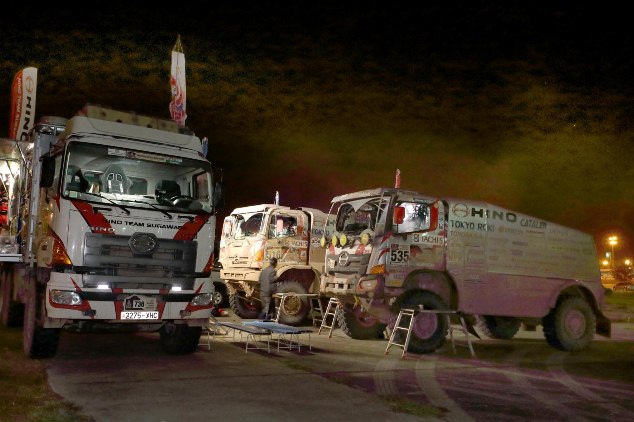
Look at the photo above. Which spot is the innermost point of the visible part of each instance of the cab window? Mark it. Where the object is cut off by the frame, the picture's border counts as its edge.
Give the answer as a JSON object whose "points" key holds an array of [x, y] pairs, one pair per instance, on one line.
{"points": [[416, 217]]}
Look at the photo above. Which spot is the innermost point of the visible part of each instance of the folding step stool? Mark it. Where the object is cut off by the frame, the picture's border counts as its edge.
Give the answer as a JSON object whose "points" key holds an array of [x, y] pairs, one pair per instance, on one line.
{"points": [[316, 310], [331, 309], [406, 326]]}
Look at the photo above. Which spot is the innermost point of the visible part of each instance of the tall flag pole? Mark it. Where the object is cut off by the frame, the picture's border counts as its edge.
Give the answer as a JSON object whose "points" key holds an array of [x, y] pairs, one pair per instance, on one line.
{"points": [[23, 93], [177, 84], [277, 197], [397, 183]]}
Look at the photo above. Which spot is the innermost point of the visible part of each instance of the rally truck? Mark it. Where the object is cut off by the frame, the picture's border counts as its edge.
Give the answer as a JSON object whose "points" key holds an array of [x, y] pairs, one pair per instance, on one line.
{"points": [[252, 235], [113, 229], [395, 249]]}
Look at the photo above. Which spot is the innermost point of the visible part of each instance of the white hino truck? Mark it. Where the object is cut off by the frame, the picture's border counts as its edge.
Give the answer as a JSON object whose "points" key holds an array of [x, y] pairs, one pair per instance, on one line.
{"points": [[253, 234], [110, 224], [395, 249]]}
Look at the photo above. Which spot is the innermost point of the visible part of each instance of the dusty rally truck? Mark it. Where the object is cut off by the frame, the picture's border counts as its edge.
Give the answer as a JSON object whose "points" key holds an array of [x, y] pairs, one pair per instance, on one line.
{"points": [[396, 249], [251, 235], [111, 227]]}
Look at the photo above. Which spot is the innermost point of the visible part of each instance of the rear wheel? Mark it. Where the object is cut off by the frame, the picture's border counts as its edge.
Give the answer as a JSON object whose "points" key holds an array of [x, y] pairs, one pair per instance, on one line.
{"points": [[498, 327], [570, 325], [38, 342], [244, 307], [429, 330], [360, 325], [179, 339], [295, 309]]}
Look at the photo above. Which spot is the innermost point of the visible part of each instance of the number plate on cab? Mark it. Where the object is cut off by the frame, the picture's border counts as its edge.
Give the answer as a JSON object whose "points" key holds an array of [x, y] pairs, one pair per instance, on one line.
{"points": [[139, 307]]}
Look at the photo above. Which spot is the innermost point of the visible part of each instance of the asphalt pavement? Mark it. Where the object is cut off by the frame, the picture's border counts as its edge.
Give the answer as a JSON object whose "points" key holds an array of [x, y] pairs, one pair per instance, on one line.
{"points": [[126, 377]]}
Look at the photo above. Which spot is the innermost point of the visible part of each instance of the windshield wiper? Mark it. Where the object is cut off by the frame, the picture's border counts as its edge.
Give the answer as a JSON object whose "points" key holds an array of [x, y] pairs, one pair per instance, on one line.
{"points": [[126, 210], [153, 206]]}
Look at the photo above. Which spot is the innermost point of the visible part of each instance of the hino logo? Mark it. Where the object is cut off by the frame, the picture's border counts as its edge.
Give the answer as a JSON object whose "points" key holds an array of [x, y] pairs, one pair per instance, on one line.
{"points": [[343, 259], [143, 243]]}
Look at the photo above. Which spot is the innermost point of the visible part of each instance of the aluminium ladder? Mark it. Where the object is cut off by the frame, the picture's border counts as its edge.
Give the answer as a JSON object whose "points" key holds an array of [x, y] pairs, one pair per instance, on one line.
{"points": [[331, 310], [403, 316]]}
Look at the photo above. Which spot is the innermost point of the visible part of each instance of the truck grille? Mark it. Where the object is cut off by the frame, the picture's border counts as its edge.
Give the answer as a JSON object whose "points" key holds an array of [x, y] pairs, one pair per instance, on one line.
{"points": [[112, 255]]}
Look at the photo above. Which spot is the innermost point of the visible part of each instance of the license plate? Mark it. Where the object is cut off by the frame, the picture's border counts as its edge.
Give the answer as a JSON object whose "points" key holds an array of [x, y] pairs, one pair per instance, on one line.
{"points": [[139, 315]]}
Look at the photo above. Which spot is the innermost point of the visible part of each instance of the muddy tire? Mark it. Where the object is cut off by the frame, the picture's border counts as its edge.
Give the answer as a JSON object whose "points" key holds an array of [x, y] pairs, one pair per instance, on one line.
{"points": [[295, 309], [38, 342], [570, 326], [498, 327], [358, 324], [244, 307], [179, 339], [429, 330]]}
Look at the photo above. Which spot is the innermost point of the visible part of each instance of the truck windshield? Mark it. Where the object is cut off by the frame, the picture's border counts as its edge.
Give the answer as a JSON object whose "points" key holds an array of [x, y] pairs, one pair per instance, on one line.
{"points": [[247, 225], [355, 217], [133, 178]]}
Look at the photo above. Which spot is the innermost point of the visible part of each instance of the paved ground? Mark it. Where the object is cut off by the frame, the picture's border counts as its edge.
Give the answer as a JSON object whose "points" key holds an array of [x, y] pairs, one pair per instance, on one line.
{"points": [[126, 377]]}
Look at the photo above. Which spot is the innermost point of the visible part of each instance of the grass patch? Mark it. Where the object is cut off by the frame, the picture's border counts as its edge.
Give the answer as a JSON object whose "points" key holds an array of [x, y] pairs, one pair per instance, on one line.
{"points": [[24, 391], [620, 300]]}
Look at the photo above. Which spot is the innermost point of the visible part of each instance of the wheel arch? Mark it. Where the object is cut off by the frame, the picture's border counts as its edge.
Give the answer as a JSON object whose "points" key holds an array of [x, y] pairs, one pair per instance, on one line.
{"points": [[438, 282], [306, 275], [603, 323]]}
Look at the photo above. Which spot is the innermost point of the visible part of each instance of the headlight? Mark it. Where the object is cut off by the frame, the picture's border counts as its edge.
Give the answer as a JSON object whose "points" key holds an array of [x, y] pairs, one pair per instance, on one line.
{"points": [[365, 238], [322, 241], [65, 298], [201, 300], [333, 240], [343, 239]]}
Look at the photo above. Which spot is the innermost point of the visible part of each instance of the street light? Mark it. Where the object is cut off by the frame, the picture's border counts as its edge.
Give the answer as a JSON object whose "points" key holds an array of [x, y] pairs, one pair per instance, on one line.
{"points": [[613, 241]]}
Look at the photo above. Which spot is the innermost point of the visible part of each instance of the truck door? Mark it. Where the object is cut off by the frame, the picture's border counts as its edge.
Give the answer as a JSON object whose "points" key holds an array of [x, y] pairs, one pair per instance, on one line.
{"points": [[417, 241], [287, 237]]}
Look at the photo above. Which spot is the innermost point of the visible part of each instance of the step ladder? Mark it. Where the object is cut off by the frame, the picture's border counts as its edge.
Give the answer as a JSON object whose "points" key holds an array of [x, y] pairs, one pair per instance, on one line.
{"points": [[444, 313], [404, 322], [331, 310], [316, 311]]}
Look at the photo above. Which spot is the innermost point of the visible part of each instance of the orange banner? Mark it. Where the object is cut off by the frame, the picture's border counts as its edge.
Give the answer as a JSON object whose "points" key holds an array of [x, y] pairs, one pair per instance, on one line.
{"points": [[23, 94]]}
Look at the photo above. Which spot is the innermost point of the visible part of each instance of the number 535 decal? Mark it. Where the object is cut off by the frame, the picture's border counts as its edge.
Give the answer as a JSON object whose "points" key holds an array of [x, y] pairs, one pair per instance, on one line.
{"points": [[399, 254]]}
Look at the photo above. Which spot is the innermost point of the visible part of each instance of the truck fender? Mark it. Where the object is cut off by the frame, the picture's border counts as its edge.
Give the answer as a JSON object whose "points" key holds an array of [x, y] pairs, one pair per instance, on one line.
{"points": [[304, 274], [433, 281]]}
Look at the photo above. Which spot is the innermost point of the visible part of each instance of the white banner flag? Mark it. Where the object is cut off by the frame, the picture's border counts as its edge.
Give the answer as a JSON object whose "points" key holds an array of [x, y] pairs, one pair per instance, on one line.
{"points": [[23, 103], [177, 83]]}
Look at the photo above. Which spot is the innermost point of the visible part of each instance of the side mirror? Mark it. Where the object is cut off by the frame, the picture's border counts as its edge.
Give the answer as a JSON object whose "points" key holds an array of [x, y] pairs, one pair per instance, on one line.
{"points": [[399, 215], [48, 172], [219, 196]]}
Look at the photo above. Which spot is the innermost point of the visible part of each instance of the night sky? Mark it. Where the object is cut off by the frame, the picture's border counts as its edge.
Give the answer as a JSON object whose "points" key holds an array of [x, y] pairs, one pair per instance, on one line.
{"points": [[527, 105]]}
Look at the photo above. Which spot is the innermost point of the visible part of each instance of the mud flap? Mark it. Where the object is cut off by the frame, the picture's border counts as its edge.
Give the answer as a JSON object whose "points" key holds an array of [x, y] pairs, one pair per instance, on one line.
{"points": [[604, 326]]}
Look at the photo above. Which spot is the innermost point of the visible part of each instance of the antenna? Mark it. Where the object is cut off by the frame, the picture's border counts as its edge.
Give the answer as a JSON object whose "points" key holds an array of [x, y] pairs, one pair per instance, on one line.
{"points": [[277, 198], [397, 183]]}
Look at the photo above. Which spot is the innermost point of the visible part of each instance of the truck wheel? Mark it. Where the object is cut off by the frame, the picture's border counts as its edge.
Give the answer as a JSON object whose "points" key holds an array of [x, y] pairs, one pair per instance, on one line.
{"points": [[570, 326], [179, 339], [295, 309], [220, 297], [429, 330], [498, 327], [244, 307], [358, 324], [38, 342]]}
